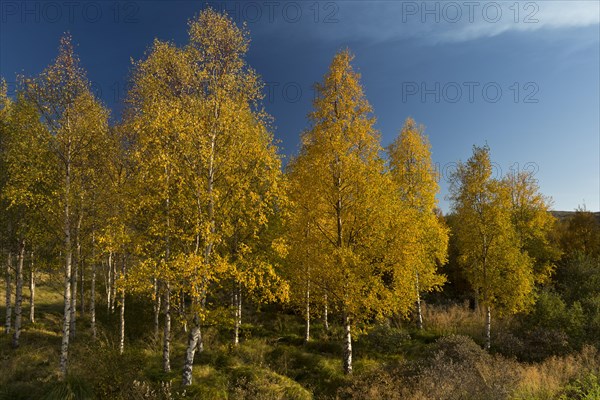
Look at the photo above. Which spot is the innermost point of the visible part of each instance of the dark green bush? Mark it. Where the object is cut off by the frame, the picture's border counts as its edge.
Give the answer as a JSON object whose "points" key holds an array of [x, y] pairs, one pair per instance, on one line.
{"points": [[586, 388], [552, 328], [384, 339]]}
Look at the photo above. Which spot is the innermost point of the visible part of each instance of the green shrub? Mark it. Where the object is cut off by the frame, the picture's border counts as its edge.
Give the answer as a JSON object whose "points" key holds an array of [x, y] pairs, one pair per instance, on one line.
{"points": [[552, 328], [586, 388], [384, 339]]}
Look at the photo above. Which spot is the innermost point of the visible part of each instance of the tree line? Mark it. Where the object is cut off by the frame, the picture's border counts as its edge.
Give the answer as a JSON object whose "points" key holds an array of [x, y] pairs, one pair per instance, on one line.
{"points": [[184, 202]]}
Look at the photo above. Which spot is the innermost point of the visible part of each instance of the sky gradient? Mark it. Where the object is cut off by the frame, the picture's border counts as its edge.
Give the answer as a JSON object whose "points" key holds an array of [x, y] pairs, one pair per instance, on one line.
{"points": [[523, 77]]}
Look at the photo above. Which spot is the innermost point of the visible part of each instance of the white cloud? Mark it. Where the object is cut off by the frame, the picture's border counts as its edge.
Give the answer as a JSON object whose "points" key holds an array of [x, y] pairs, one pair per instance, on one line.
{"points": [[452, 21]]}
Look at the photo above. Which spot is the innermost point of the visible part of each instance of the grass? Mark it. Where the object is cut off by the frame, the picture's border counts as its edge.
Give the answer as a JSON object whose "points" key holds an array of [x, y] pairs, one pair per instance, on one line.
{"points": [[272, 362], [548, 379]]}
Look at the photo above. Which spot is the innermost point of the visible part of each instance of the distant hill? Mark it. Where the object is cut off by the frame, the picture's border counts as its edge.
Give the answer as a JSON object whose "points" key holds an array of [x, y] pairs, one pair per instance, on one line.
{"points": [[563, 215]]}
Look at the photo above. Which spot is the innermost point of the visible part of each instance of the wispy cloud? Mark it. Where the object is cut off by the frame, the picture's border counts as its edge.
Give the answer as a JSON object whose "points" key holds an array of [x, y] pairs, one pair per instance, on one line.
{"points": [[448, 21], [531, 16]]}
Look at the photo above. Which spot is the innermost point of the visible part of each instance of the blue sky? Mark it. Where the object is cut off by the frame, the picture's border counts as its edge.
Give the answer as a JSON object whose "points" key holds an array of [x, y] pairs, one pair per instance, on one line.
{"points": [[523, 77]]}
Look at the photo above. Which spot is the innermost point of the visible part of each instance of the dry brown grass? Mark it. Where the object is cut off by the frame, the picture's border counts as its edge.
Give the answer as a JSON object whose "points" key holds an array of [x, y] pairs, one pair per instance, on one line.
{"points": [[453, 320], [546, 379]]}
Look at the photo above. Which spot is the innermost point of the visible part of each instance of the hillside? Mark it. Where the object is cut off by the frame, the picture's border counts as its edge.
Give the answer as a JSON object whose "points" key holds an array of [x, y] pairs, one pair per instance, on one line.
{"points": [[565, 215]]}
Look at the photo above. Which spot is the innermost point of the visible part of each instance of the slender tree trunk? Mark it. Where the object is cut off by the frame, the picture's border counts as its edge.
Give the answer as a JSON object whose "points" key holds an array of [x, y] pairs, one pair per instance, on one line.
{"points": [[122, 313], [237, 303], [75, 276], [193, 338], [93, 301], [347, 345], [9, 268], [167, 329], [200, 347], [64, 349], [108, 282], [307, 315], [156, 310], [19, 294], [340, 244], [113, 290], [182, 310], [93, 288], [488, 327], [239, 322], [32, 291], [81, 288], [167, 287], [488, 312], [73, 301], [189, 360], [325, 316], [419, 311], [235, 317]]}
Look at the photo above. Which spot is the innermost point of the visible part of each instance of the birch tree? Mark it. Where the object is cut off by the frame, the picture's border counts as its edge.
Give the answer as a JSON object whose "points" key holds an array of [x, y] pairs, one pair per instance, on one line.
{"points": [[234, 164], [533, 221], [6, 233], [72, 116], [28, 187], [340, 187], [414, 175], [490, 250], [153, 105]]}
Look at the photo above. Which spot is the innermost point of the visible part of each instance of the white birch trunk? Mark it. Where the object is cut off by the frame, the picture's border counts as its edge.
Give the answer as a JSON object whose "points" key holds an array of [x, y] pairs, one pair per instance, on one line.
{"points": [[347, 345], [19, 294], [75, 277], [193, 338], [307, 315], [192, 344], [167, 329], [108, 280], [93, 288], [8, 303], [488, 327], [156, 310], [32, 291], [237, 304], [167, 288], [64, 348], [122, 313], [325, 316], [81, 288], [239, 322], [113, 293], [73, 301], [419, 311]]}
